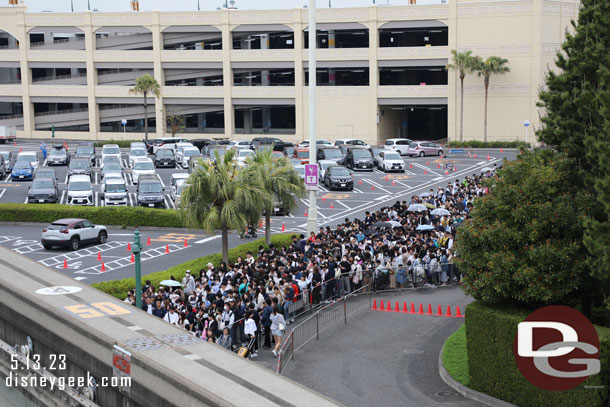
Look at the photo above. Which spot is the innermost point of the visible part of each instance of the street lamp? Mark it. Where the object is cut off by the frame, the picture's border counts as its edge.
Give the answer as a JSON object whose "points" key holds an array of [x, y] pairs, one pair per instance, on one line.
{"points": [[526, 125], [135, 249], [124, 123], [312, 216]]}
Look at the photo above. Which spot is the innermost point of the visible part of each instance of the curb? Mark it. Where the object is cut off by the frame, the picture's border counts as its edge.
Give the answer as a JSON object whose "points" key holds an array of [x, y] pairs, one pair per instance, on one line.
{"points": [[481, 149], [466, 391], [113, 227]]}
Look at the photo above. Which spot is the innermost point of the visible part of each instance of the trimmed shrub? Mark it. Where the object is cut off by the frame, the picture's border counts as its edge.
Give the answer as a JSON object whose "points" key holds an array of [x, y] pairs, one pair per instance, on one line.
{"points": [[489, 144], [121, 216], [119, 288], [120, 143], [490, 333], [455, 356]]}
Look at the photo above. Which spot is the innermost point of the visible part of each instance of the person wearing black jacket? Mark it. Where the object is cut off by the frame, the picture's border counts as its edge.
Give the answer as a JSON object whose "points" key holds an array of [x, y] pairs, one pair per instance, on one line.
{"points": [[316, 279]]}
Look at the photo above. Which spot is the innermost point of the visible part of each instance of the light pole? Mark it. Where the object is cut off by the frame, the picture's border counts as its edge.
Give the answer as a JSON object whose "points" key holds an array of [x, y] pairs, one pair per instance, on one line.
{"points": [[135, 249], [312, 217], [124, 123], [526, 125]]}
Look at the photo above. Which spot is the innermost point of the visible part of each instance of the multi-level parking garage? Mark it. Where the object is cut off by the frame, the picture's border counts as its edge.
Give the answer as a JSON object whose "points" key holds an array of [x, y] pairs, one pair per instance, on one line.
{"points": [[237, 73]]}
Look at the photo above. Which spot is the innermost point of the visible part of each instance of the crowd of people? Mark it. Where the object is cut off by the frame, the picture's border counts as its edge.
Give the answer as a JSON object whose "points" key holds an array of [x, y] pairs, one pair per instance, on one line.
{"points": [[255, 298]]}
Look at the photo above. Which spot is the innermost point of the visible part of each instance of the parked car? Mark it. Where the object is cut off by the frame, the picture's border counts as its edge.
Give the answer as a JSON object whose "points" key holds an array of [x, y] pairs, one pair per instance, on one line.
{"points": [[138, 145], [188, 154], [45, 172], [112, 168], [80, 191], [110, 160], [390, 161], [165, 157], [114, 191], [179, 150], [176, 191], [22, 171], [358, 159], [216, 150], [351, 142], [319, 144], [276, 155], [400, 145], [323, 166], [43, 190], [424, 148], [73, 233], [3, 169], [86, 151], [278, 145], [166, 141], [142, 166], [242, 156], [338, 177], [238, 144], [135, 153], [150, 192], [333, 154], [79, 166], [288, 151], [111, 150], [300, 169], [375, 154], [203, 144], [58, 156], [28, 156], [177, 178], [6, 157], [302, 154]]}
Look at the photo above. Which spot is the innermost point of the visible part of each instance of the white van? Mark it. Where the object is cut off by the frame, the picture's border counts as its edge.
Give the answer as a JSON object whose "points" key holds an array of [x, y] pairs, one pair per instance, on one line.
{"points": [[80, 191], [28, 156]]}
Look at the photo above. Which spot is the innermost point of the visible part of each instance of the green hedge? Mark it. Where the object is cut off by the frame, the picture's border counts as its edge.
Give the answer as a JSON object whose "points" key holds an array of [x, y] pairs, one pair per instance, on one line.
{"points": [[489, 144], [120, 143], [455, 356], [490, 333], [121, 216], [119, 288]]}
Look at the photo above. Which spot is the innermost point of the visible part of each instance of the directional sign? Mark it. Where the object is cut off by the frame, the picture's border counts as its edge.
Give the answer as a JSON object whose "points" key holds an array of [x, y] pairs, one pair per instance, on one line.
{"points": [[58, 290], [311, 177]]}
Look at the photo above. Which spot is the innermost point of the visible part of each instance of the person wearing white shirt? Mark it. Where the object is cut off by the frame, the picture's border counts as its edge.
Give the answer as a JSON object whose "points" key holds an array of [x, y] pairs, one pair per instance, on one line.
{"points": [[172, 316], [250, 331]]}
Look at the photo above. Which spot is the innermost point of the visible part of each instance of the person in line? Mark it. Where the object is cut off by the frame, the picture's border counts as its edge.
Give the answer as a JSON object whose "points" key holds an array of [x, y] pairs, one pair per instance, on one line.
{"points": [[278, 326], [251, 332], [225, 339]]}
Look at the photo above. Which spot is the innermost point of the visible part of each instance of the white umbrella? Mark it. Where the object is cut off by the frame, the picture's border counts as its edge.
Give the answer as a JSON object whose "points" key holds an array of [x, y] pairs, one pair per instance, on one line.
{"points": [[425, 227], [486, 169], [394, 223], [425, 194], [171, 283], [440, 212], [417, 208]]}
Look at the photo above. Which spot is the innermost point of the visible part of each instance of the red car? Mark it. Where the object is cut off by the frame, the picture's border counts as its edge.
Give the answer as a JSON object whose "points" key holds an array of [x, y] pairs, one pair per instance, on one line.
{"points": [[302, 154]]}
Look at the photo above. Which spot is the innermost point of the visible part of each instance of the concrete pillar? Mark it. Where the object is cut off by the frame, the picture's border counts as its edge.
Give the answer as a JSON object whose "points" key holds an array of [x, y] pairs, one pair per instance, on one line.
{"points": [[266, 113], [157, 40], [299, 82], [200, 122], [453, 92], [93, 107], [227, 74], [374, 111], [247, 121], [26, 74]]}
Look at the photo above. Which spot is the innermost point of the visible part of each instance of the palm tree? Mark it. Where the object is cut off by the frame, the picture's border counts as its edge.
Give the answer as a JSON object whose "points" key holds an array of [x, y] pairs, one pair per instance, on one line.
{"points": [[220, 196], [463, 63], [485, 68], [281, 183], [146, 85]]}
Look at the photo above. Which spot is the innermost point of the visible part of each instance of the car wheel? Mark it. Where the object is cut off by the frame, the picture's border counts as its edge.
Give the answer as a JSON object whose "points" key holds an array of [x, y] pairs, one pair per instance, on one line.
{"points": [[75, 243], [47, 246], [102, 237], [440, 153], [422, 154], [351, 188]]}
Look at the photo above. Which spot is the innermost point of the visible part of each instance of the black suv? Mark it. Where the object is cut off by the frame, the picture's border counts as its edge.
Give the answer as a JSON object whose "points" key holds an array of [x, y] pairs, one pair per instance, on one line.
{"points": [[165, 157], [86, 150], [336, 177], [333, 154], [278, 145], [358, 159], [150, 192]]}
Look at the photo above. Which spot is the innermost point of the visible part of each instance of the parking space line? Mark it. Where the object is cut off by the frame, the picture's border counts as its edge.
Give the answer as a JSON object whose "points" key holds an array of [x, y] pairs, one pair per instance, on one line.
{"points": [[63, 195], [44, 162], [401, 183], [322, 188], [26, 199], [357, 190], [79, 254], [377, 185], [426, 168], [29, 248], [341, 203], [170, 201], [161, 181], [2, 191], [130, 194], [66, 180]]}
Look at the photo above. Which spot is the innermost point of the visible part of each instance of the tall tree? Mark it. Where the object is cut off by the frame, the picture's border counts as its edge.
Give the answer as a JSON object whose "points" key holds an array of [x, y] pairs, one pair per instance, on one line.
{"points": [[220, 196], [486, 68], [146, 85], [577, 121], [463, 64], [175, 122], [281, 183]]}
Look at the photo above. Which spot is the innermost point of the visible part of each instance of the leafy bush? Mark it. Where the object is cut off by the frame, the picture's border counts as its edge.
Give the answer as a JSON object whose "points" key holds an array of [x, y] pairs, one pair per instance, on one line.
{"points": [[455, 356], [120, 143], [121, 216], [489, 144], [119, 288], [490, 333]]}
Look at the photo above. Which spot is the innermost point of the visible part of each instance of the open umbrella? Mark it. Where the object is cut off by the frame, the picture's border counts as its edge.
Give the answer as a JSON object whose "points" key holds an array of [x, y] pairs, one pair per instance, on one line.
{"points": [[416, 208], [379, 225], [394, 223], [429, 206], [171, 283], [425, 194], [425, 227], [440, 212], [486, 169]]}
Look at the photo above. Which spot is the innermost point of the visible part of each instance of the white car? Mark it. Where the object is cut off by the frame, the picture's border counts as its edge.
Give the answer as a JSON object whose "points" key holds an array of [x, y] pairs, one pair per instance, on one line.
{"points": [[390, 161], [28, 156], [80, 191], [319, 144], [177, 178], [111, 150], [238, 144], [136, 153], [322, 166], [142, 166], [400, 145], [351, 142], [176, 191], [179, 150], [242, 155], [187, 154], [114, 191], [72, 233], [138, 144], [300, 169]]}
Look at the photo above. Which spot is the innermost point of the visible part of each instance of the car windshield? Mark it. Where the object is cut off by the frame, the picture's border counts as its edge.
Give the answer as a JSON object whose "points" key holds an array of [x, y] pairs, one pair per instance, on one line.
{"points": [[79, 164], [217, 150], [151, 187], [84, 151], [5, 155], [111, 150], [413, 145], [181, 187], [61, 153], [26, 158], [300, 170], [115, 188], [332, 153], [111, 159], [245, 153], [46, 184], [79, 186], [112, 167], [190, 153], [137, 153], [362, 154], [144, 166], [389, 156], [277, 154], [45, 174], [339, 172], [389, 143], [165, 153], [326, 165], [22, 165], [302, 154], [57, 226]]}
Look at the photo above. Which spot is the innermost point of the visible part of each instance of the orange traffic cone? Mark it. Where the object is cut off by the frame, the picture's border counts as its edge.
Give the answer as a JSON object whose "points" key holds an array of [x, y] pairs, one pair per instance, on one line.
{"points": [[260, 223], [427, 162], [389, 308], [15, 143], [421, 309], [397, 309], [103, 269], [65, 264], [374, 305], [148, 241], [128, 247], [133, 259], [372, 187], [448, 313], [186, 244], [331, 206], [475, 155], [425, 172], [412, 309], [405, 308], [393, 182], [410, 165], [360, 181], [458, 314], [283, 227], [323, 198], [429, 310], [439, 313], [99, 256], [438, 165], [306, 213], [387, 178], [454, 169], [166, 248], [447, 172], [501, 150], [487, 157], [20, 149], [381, 308]]}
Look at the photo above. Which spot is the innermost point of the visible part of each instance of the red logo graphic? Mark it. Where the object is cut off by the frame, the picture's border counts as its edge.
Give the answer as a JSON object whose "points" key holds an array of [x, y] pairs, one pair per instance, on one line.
{"points": [[556, 348]]}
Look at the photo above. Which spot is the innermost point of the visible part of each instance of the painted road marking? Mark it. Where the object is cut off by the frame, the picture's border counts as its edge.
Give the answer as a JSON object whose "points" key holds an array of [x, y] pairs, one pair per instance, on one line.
{"points": [[176, 237], [89, 251], [96, 309], [2, 192], [207, 239]]}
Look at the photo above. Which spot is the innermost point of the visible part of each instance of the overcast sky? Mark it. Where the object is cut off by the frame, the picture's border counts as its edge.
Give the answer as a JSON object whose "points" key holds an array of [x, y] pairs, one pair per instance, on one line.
{"points": [[185, 5]]}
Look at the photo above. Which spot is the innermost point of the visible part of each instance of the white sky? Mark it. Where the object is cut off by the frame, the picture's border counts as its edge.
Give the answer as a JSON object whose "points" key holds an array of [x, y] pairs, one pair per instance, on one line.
{"points": [[186, 5]]}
